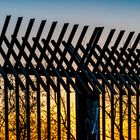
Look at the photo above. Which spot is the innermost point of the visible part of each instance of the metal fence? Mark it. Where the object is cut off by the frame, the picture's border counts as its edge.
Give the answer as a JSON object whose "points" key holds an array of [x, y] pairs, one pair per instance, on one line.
{"points": [[65, 89]]}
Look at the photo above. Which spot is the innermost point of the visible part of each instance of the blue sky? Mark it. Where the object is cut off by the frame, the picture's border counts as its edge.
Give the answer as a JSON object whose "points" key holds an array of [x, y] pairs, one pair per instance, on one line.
{"points": [[124, 14]]}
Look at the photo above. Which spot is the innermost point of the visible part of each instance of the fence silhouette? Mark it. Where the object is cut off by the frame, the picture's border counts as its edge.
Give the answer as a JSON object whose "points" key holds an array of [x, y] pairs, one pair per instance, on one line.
{"points": [[88, 69]]}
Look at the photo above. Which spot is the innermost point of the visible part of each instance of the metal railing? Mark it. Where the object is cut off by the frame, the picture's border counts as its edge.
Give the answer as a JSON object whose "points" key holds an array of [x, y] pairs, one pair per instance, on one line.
{"points": [[53, 67]]}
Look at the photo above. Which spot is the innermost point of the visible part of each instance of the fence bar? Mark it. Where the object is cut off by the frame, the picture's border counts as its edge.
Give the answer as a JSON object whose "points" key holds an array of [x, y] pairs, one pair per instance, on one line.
{"points": [[14, 72], [63, 31], [89, 45], [121, 115], [48, 111], [38, 110], [29, 28], [114, 48], [58, 110], [4, 29], [46, 42], [56, 72], [6, 110], [92, 49], [19, 63], [80, 135], [74, 29], [17, 110], [84, 71], [103, 115], [137, 115], [120, 57], [17, 27], [112, 116], [99, 123], [129, 116], [134, 46], [38, 35], [68, 112], [33, 68], [27, 95], [80, 39], [102, 53]]}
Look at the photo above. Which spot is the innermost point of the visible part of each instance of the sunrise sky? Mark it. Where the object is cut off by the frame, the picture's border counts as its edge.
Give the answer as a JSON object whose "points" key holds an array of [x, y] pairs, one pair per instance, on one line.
{"points": [[121, 14]]}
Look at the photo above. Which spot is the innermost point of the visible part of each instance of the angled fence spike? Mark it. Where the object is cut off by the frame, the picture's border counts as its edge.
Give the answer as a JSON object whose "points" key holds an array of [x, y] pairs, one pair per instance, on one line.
{"points": [[16, 30]]}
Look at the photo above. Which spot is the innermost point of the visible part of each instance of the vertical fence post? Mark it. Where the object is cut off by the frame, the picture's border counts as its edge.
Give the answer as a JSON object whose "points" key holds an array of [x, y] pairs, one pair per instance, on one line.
{"points": [[38, 110], [68, 113], [48, 111], [17, 110], [6, 110], [138, 115], [27, 95], [87, 115], [58, 110]]}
